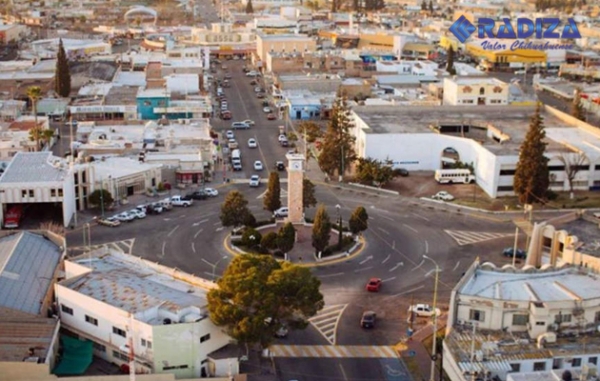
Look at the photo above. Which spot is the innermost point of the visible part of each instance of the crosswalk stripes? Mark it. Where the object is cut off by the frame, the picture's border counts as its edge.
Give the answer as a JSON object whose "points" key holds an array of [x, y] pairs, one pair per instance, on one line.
{"points": [[125, 246], [463, 237], [333, 351], [327, 319]]}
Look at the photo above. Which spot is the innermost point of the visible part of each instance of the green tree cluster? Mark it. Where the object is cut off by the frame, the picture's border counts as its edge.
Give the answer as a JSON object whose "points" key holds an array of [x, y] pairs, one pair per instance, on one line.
{"points": [[359, 220], [100, 198], [272, 198], [450, 61], [374, 5], [321, 231], [235, 212], [371, 171], [577, 110], [308, 194], [257, 289], [62, 74], [37, 134], [311, 130], [337, 151], [249, 7], [286, 237], [531, 180]]}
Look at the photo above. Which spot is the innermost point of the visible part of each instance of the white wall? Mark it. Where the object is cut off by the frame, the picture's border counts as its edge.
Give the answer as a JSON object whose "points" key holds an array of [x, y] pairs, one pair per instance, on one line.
{"points": [[183, 83]]}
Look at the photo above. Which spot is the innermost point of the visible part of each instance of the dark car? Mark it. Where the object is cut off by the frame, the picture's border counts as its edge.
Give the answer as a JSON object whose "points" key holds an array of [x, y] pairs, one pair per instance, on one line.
{"points": [[368, 319], [509, 252], [280, 166], [197, 195], [402, 172]]}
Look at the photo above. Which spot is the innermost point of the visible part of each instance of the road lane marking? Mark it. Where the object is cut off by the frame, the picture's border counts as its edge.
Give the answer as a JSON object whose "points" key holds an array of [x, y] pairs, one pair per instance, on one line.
{"points": [[193, 248], [343, 372], [426, 247], [365, 269], [396, 266], [217, 223], [219, 229], [410, 228], [366, 260], [173, 231], [386, 259], [199, 222], [198, 233], [419, 265], [387, 218], [163, 249], [207, 262], [455, 267], [330, 275], [408, 291], [388, 279], [428, 273], [393, 245], [419, 216], [383, 230]]}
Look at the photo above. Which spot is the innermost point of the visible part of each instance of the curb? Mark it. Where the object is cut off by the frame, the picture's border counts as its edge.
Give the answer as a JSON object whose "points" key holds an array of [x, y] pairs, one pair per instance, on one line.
{"points": [[233, 252]]}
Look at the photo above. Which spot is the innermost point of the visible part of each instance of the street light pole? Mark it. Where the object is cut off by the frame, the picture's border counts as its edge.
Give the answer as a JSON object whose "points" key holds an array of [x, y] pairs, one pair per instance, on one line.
{"points": [[338, 207], [434, 307], [102, 196]]}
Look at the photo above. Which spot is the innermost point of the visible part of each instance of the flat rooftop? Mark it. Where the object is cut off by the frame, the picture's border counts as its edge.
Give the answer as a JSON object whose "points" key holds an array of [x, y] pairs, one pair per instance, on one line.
{"points": [[588, 234], [34, 167], [27, 265], [511, 120], [543, 286], [138, 286], [18, 335]]}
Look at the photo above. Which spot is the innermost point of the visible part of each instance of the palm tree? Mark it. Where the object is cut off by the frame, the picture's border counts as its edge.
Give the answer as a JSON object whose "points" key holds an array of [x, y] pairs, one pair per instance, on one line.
{"points": [[34, 93]]}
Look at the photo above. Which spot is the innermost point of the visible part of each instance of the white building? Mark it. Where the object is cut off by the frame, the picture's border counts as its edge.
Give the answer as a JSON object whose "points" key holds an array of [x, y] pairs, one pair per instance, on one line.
{"points": [[73, 48], [39, 178], [475, 91], [223, 34], [121, 302], [508, 320], [489, 137]]}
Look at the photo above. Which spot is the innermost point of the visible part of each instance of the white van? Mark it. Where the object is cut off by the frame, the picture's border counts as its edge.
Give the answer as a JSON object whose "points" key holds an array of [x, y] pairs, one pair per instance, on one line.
{"points": [[240, 125], [236, 154], [454, 176]]}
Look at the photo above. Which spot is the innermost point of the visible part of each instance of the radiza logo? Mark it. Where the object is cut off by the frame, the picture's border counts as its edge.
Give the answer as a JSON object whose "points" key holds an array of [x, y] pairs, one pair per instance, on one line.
{"points": [[539, 28]]}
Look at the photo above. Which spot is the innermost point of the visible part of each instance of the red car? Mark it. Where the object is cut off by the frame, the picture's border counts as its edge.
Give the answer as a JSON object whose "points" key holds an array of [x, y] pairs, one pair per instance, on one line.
{"points": [[374, 285], [271, 117]]}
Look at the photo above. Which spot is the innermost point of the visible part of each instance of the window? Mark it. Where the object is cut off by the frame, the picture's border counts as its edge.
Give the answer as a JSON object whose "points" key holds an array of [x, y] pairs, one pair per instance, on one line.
{"points": [[143, 342], [60, 193], [540, 323], [507, 172], [120, 356], [52, 192], [91, 320], [576, 362], [476, 315], [31, 193], [147, 103], [515, 367], [520, 319], [556, 167], [175, 367], [593, 360], [99, 347], [23, 193], [562, 318], [539, 366], [119, 331], [65, 309], [505, 188], [146, 343], [597, 317], [75, 179], [482, 91], [205, 338]]}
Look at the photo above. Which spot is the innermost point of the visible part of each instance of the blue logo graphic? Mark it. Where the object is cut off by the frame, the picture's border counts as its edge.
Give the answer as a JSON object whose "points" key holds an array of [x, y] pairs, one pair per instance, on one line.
{"points": [[462, 29]]}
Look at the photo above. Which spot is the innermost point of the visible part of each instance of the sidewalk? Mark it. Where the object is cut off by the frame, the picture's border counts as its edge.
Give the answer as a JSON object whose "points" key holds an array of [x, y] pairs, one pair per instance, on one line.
{"points": [[416, 350]]}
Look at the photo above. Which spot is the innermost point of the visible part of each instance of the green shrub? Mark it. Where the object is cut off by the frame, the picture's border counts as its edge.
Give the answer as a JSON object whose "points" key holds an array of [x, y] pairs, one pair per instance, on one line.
{"points": [[269, 241], [247, 239]]}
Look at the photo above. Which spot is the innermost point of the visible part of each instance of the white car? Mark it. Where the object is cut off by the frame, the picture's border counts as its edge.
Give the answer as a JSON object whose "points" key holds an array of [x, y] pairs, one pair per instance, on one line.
{"points": [[443, 195], [252, 143], [230, 135], [282, 138], [212, 192], [258, 165], [423, 310], [249, 122], [257, 89], [125, 217], [267, 110], [254, 181], [251, 73], [139, 214], [281, 212]]}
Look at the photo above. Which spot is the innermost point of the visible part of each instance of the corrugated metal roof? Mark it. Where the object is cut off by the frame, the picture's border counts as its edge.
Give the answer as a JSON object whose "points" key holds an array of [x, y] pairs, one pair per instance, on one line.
{"points": [[32, 167], [28, 264], [17, 336]]}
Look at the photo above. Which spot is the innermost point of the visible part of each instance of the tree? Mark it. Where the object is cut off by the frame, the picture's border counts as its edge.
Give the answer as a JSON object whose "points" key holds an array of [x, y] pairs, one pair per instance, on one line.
{"points": [[321, 230], [334, 6], [249, 7], [355, 6], [450, 63], [573, 162], [359, 220], [286, 237], [234, 210], [254, 288], [34, 93], [371, 171], [430, 7], [100, 198], [62, 74], [310, 131], [272, 198], [577, 110], [531, 178], [269, 241], [337, 151], [251, 238], [308, 194], [424, 5]]}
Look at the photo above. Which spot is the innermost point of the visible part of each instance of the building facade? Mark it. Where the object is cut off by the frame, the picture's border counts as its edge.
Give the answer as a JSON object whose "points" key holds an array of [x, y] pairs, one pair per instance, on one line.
{"points": [[280, 43], [475, 91]]}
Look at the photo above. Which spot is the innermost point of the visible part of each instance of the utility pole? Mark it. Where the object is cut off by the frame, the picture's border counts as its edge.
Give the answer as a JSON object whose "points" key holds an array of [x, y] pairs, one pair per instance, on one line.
{"points": [[102, 196], [529, 208], [434, 308]]}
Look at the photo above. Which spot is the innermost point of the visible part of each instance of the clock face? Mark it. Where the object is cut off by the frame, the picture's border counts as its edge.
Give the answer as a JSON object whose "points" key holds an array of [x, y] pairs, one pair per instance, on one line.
{"points": [[296, 165]]}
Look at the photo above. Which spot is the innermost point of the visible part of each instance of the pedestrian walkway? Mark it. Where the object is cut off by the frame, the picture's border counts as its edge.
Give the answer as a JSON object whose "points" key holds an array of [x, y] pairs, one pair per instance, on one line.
{"points": [[327, 319], [333, 351], [463, 237], [125, 246]]}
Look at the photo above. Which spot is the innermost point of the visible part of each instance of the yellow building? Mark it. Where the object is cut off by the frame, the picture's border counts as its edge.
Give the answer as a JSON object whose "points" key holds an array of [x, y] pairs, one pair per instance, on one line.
{"points": [[502, 58], [449, 40]]}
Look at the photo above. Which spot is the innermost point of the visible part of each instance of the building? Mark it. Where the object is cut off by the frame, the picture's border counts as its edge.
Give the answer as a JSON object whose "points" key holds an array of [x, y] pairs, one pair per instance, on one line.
{"points": [[124, 303], [74, 48], [321, 83], [39, 178], [488, 137], [278, 43], [223, 38], [505, 320], [11, 33], [484, 91], [29, 267]]}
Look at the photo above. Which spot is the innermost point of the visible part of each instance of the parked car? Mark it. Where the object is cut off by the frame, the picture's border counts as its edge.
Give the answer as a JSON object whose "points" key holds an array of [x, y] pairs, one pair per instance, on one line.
{"points": [[181, 201], [111, 221], [402, 172], [258, 165], [271, 116], [232, 144], [281, 332], [197, 195], [257, 90], [281, 137], [266, 110], [374, 284], [138, 213], [423, 310], [254, 181], [509, 252], [252, 143], [125, 217], [280, 166], [260, 95], [252, 73], [253, 83], [156, 208], [443, 195], [284, 143], [249, 122], [368, 319], [212, 192], [230, 135], [281, 212]]}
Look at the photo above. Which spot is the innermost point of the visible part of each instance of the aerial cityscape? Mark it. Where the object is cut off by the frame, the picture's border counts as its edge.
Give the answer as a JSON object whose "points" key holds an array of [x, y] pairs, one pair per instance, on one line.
{"points": [[299, 190]]}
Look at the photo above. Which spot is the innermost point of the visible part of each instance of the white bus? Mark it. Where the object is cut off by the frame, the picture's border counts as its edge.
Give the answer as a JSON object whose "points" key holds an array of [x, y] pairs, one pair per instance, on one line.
{"points": [[454, 176]]}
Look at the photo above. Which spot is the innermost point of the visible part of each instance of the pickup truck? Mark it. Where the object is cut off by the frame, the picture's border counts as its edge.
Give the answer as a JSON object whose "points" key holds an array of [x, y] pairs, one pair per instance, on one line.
{"points": [[181, 201]]}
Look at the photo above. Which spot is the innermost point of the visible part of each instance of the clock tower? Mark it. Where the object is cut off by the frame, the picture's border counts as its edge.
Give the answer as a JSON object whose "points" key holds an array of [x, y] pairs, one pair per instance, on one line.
{"points": [[295, 188]]}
